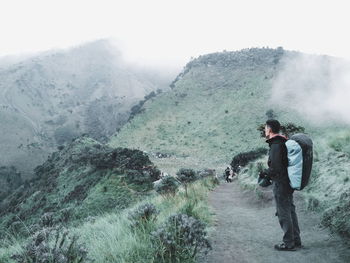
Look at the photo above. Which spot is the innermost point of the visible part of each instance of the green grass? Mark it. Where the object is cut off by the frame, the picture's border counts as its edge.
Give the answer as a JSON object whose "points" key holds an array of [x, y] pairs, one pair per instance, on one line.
{"points": [[110, 238], [329, 186], [196, 126], [341, 142], [212, 114]]}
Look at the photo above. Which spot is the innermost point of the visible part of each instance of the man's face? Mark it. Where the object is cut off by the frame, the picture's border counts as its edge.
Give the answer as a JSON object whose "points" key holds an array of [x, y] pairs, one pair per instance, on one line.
{"points": [[267, 131]]}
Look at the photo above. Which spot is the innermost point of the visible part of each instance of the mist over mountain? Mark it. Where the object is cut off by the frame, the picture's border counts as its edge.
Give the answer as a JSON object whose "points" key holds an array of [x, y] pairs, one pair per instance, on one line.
{"points": [[315, 86], [48, 99]]}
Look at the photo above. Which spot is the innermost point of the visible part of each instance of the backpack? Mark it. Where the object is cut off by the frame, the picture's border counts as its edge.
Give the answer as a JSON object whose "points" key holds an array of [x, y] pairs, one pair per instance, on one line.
{"points": [[300, 157]]}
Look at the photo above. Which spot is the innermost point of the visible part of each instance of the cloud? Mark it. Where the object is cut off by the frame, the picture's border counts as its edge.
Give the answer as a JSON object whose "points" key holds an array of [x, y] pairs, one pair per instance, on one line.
{"points": [[318, 87]]}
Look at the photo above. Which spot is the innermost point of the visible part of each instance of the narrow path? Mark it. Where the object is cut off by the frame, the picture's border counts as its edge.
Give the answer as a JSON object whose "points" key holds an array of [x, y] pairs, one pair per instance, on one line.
{"points": [[246, 230]]}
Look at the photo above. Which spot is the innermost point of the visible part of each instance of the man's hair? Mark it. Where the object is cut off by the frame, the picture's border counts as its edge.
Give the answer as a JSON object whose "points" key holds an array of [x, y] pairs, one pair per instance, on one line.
{"points": [[274, 125]]}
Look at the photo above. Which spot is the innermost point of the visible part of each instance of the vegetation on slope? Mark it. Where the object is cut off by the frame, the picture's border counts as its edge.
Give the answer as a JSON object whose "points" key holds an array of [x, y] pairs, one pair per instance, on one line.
{"points": [[329, 186], [10, 179], [86, 178], [212, 113], [136, 234]]}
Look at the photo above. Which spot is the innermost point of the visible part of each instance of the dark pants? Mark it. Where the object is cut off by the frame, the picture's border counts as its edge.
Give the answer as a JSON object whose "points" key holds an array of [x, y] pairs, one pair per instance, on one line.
{"points": [[286, 213]]}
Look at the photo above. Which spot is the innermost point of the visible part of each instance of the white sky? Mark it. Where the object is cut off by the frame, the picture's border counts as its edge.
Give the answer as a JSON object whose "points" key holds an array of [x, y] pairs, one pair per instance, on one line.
{"points": [[170, 32]]}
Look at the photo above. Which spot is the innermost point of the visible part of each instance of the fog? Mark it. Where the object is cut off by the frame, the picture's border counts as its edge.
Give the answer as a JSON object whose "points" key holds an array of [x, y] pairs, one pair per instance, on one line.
{"points": [[318, 87], [49, 98], [115, 52], [171, 32]]}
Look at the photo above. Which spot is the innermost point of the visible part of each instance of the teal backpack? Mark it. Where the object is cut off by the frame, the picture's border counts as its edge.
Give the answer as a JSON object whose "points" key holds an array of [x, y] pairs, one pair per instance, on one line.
{"points": [[300, 157]]}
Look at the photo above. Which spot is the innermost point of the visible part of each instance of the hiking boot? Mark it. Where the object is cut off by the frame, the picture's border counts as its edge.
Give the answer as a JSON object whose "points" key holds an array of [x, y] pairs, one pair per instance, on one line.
{"points": [[284, 247]]}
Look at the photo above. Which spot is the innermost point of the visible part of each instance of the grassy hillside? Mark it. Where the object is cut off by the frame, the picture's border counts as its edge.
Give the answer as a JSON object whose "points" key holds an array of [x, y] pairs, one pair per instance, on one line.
{"points": [[212, 112], [144, 232], [84, 179], [99, 205], [210, 115]]}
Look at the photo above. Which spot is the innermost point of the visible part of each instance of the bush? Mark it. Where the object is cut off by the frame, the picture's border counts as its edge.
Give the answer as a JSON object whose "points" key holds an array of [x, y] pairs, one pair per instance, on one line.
{"points": [[181, 237], [143, 214], [186, 176], [337, 217], [287, 129], [244, 158], [290, 128], [168, 185], [139, 178], [52, 246]]}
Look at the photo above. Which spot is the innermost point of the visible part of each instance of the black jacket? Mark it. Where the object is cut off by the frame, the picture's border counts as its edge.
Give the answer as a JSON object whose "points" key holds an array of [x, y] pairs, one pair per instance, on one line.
{"points": [[278, 160]]}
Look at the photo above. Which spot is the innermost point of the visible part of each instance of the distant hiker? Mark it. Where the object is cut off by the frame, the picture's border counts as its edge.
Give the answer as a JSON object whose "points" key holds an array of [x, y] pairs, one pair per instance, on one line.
{"points": [[229, 174], [283, 193]]}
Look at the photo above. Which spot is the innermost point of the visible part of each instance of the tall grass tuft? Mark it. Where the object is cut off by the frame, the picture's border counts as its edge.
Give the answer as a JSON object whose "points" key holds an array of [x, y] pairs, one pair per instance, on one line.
{"points": [[116, 237]]}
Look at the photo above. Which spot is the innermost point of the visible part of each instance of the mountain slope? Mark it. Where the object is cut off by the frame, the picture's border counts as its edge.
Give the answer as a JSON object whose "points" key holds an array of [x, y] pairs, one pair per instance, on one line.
{"points": [[86, 178], [49, 99], [213, 110], [212, 114]]}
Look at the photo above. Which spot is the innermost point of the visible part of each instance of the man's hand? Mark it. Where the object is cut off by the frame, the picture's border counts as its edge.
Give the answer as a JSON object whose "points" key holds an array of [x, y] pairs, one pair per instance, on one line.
{"points": [[264, 180]]}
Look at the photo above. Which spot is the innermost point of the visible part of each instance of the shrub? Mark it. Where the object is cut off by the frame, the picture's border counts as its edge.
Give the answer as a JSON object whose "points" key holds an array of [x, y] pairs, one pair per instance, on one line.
{"points": [[290, 128], [52, 246], [139, 178], [143, 214], [186, 176], [181, 237], [242, 159], [337, 217], [168, 185], [287, 129]]}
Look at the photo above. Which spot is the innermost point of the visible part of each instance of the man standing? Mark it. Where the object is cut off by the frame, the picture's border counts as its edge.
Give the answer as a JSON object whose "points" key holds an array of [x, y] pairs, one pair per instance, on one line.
{"points": [[283, 193]]}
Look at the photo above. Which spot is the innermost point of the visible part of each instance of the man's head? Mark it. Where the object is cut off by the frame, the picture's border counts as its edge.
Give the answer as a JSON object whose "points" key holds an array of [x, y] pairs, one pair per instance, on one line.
{"points": [[272, 127]]}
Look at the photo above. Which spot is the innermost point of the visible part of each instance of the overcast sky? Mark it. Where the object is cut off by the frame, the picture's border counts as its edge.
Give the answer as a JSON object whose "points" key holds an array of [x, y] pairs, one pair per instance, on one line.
{"points": [[171, 32]]}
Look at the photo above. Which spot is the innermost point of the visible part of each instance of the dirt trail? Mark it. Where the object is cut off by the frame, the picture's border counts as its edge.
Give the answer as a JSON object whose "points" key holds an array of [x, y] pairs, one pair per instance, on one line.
{"points": [[246, 230]]}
